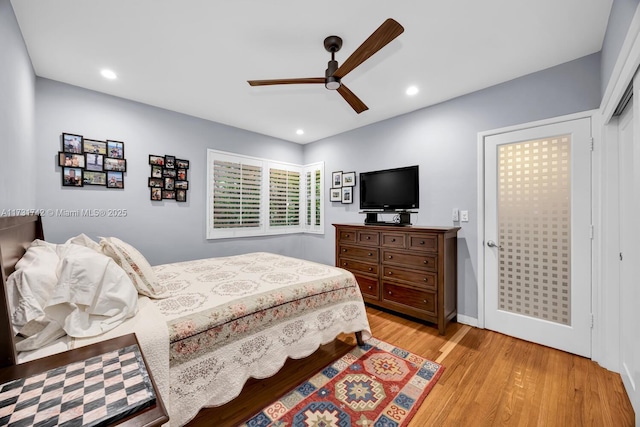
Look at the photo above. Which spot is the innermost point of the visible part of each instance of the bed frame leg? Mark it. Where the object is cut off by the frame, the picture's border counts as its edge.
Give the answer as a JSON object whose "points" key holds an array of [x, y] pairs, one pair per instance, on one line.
{"points": [[359, 339]]}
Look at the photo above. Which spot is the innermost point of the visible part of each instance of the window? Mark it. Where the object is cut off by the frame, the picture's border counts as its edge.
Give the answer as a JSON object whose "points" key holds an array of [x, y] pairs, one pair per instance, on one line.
{"points": [[248, 196]]}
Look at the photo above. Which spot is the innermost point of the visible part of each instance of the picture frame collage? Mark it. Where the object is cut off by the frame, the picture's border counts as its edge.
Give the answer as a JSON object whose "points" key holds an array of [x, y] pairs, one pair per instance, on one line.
{"points": [[168, 178], [342, 185], [87, 161]]}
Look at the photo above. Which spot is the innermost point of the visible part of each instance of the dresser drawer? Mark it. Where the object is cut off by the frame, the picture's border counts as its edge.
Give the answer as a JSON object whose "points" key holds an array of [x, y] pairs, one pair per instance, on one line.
{"points": [[370, 254], [368, 237], [423, 242], [347, 236], [358, 266], [421, 300], [368, 286], [426, 261], [417, 278], [393, 240]]}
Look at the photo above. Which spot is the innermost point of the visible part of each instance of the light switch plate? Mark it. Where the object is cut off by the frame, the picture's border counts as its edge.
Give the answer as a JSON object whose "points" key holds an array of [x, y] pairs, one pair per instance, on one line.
{"points": [[464, 216], [455, 215]]}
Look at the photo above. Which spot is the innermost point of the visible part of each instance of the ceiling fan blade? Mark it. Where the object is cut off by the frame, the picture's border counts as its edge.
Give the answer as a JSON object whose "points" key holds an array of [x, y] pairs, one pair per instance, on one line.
{"points": [[286, 81], [381, 37], [352, 99]]}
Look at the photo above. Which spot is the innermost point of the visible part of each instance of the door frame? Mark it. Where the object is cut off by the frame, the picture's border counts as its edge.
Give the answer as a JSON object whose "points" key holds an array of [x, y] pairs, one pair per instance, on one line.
{"points": [[482, 136]]}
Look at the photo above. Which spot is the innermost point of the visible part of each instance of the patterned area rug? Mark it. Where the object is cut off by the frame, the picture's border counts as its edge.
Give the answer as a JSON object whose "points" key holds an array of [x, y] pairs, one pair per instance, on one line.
{"points": [[374, 385]]}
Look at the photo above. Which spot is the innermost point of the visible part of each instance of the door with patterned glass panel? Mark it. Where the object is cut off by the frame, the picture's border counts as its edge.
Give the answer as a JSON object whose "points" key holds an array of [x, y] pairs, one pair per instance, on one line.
{"points": [[537, 231]]}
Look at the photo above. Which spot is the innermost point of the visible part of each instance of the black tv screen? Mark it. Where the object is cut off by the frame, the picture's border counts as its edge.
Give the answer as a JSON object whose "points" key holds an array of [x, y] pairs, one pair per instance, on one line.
{"points": [[390, 189]]}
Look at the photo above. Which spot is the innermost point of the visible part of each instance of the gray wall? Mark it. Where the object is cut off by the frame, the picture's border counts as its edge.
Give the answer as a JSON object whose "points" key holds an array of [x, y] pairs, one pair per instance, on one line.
{"points": [[442, 140], [164, 231], [17, 81], [622, 12]]}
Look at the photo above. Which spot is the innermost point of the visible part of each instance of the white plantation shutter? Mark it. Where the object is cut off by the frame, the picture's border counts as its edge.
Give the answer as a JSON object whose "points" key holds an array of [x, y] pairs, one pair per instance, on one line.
{"points": [[284, 197], [248, 196]]}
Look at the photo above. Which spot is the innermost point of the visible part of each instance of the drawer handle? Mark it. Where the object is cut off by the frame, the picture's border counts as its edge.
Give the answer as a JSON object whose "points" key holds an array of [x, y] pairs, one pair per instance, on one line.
{"points": [[422, 242], [370, 254], [370, 287], [344, 250], [392, 257], [390, 293], [426, 279], [370, 269], [346, 236], [426, 261], [393, 240], [390, 273], [344, 263], [425, 301], [368, 237]]}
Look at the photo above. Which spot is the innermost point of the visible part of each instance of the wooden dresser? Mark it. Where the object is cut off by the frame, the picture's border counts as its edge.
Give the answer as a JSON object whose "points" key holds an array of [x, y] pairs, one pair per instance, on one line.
{"points": [[410, 270]]}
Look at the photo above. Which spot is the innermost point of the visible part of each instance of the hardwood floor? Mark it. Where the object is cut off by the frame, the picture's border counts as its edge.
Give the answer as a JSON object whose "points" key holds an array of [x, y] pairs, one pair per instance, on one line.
{"points": [[490, 380]]}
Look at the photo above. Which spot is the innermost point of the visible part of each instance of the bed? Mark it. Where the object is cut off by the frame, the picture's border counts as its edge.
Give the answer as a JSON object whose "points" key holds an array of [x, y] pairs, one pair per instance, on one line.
{"points": [[224, 320]]}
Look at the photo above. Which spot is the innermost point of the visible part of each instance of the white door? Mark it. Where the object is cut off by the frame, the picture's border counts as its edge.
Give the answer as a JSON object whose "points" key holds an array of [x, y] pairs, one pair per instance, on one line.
{"points": [[629, 170], [537, 233]]}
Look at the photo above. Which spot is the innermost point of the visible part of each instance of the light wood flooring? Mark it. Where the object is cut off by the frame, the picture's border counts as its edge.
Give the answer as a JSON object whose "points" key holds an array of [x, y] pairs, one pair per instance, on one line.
{"points": [[490, 380]]}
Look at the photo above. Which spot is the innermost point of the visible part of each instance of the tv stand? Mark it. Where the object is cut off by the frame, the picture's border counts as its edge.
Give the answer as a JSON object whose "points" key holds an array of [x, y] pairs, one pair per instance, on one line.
{"points": [[404, 218]]}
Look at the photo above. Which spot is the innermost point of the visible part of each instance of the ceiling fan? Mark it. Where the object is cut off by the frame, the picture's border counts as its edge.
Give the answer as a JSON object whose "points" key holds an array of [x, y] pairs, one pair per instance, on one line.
{"points": [[388, 31]]}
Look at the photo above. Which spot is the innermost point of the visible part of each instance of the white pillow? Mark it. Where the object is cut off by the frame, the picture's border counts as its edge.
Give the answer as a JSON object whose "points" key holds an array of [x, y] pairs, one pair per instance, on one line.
{"points": [[86, 241], [93, 294], [135, 265], [31, 284]]}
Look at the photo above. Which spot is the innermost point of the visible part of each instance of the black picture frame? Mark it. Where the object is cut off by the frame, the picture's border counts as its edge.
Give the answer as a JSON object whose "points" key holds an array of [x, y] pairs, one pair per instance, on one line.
{"points": [[94, 162], [347, 195], [156, 160], [336, 179], [94, 178], [170, 162], [168, 195], [348, 179], [71, 160], [170, 173], [156, 182], [72, 143], [72, 177], [169, 184], [114, 164], [94, 146], [155, 194], [156, 171], [181, 184], [181, 174], [115, 149], [115, 179], [182, 164], [181, 195], [335, 194]]}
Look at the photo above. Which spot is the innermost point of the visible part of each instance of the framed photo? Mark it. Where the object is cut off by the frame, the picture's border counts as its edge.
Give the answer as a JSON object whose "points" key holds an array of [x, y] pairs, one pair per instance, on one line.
{"points": [[156, 194], [115, 149], [94, 178], [94, 146], [336, 179], [169, 184], [71, 143], [71, 177], [115, 179], [348, 179], [71, 160], [182, 174], [156, 183], [171, 173], [94, 161], [156, 171], [182, 185], [182, 164], [167, 194], [335, 194], [181, 195], [156, 160], [170, 162], [347, 195], [111, 164]]}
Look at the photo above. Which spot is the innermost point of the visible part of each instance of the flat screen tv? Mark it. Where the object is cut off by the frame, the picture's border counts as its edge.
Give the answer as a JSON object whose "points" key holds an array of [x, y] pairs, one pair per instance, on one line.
{"points": [[390, 189]]}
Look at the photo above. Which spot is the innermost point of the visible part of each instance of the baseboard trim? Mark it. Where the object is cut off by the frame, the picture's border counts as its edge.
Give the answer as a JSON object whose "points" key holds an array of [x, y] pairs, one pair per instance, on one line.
{"points": [[467, 320]]}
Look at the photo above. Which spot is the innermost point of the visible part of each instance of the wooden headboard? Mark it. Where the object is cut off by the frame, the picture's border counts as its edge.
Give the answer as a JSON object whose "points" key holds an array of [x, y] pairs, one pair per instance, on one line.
{"points": [[16, 234]]}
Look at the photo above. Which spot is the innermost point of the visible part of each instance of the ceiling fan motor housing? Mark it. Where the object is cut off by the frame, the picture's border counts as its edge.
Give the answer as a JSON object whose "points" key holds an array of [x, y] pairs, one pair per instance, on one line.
{"points": [[330, 81]]}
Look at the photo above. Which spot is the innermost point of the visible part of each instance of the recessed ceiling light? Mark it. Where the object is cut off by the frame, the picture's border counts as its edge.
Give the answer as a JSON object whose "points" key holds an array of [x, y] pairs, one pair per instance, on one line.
{"points": [[300, 132], [108, 74], [412, 90]]}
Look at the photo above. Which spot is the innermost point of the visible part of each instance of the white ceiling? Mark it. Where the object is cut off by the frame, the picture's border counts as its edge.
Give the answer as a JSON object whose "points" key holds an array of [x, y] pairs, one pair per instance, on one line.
{"points": [[195, 56]]}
